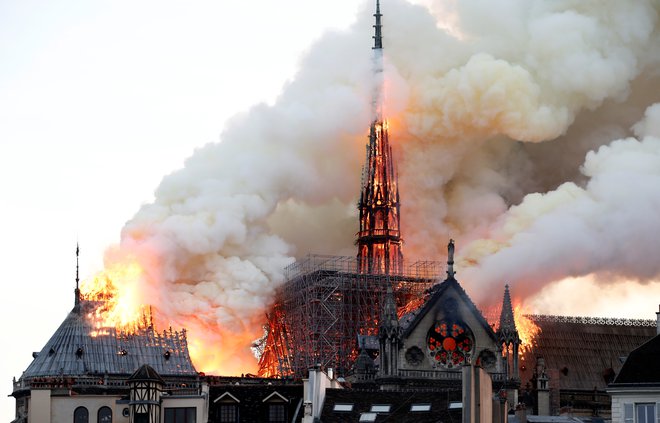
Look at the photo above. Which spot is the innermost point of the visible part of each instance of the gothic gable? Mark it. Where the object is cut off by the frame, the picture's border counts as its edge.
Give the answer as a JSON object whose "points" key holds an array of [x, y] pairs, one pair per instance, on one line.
{"points": [[448, 332]]}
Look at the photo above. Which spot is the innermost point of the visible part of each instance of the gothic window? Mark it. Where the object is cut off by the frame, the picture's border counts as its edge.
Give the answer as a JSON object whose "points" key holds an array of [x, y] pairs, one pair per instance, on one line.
{"points": [[450, 343], [380, 224], [81, 415], [104, 415]]}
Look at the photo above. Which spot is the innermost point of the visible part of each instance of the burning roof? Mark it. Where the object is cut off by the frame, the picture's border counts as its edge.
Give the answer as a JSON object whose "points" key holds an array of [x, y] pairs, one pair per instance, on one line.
{"points": [[79, 347]]}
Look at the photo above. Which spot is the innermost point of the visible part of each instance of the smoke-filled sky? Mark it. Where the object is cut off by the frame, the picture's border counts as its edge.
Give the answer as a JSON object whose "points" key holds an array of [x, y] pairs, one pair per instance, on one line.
{"points": [[523, 129]]}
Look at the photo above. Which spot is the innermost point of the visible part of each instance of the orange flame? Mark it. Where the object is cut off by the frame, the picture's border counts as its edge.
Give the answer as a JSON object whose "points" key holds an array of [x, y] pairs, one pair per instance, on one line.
{"points": [[527, 329], [116, 291]]}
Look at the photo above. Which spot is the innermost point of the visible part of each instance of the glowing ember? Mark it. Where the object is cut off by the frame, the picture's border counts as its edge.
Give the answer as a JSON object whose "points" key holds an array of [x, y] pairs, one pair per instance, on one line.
{"points": [[115, 292], [413, 305], [527, 329]]}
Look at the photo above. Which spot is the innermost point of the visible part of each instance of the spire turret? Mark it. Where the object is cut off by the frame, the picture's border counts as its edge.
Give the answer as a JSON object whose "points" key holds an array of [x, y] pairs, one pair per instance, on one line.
{"points": [[507, 331], [389, 321], [508, 335], [389, 332], [450, 260]]}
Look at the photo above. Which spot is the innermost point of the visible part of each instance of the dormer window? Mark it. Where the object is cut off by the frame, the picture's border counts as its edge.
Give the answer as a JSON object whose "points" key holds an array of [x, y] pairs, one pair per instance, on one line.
{"points": [[277, 404], [228, 408]]}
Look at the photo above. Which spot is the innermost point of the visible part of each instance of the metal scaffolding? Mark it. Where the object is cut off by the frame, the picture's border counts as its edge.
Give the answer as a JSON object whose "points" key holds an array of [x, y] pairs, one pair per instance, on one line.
{"points": [[326, 303]]}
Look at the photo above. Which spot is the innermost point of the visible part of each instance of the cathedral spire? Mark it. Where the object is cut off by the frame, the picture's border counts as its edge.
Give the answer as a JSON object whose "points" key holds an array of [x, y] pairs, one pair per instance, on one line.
{"points": [[77, 290], [379, 240]]}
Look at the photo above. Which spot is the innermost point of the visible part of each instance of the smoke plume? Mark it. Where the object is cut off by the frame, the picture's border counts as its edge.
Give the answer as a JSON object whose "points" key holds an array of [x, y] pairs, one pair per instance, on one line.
{"points": [[503, 115]]}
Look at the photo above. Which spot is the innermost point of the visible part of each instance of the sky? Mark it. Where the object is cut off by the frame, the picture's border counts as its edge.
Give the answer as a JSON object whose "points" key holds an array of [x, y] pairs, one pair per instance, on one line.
{"points": [[100, 100]]}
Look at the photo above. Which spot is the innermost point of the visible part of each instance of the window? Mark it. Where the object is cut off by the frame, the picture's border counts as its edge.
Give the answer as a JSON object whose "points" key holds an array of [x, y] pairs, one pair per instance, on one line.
{"points": [[368, 417], [645, 413], [450, 343], [181, 415], [104, 415], [627, 413], [420, 407], [343, 407], [384, 408], [80, 415], [228, 413], [276, 413]]}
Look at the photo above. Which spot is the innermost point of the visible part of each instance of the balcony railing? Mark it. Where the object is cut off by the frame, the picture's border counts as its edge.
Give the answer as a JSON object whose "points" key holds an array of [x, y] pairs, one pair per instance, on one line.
{"points": [[442, 375]]}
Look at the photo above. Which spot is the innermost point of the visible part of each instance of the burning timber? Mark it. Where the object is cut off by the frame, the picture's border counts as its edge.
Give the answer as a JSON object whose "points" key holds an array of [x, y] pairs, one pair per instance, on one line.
{"points": [[326, 303]]}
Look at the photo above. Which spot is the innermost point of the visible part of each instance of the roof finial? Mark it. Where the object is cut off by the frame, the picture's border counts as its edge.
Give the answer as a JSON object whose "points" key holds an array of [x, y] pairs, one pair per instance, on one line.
{"points": [[378, 37], [450, 260], [77, 291]]}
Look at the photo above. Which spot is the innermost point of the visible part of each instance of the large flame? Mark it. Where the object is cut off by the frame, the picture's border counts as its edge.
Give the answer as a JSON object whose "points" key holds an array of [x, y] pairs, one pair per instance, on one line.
{"points": [[115, 289], [527, 329], [120, 304]]}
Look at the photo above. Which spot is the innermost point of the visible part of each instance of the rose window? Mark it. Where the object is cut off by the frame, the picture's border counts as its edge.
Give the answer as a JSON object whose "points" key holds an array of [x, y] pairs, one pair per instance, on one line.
{"points": [[450, 344]]}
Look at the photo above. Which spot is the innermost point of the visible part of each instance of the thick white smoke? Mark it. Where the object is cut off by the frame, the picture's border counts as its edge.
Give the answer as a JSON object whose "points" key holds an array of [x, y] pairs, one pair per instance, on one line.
{"points": [[608, 228], [469, 107]]}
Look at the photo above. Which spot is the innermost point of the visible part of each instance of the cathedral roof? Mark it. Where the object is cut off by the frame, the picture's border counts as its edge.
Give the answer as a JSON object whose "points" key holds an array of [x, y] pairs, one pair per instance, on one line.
{"points": [[584, 353], [78, 348]]}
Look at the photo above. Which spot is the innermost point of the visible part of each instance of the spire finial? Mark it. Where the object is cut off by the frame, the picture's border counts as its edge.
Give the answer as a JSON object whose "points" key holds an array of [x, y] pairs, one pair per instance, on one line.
{"points": [[450, 259], [377, 107], [77, 291]]}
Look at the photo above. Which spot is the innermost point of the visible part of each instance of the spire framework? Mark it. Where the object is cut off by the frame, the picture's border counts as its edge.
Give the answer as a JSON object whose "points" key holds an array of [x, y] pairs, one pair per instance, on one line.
{"points": [[379, 239]]}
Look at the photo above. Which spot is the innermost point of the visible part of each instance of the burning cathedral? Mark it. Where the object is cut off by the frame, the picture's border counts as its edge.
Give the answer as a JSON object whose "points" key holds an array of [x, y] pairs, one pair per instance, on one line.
{"points": [[375, 322], [331, 308]]}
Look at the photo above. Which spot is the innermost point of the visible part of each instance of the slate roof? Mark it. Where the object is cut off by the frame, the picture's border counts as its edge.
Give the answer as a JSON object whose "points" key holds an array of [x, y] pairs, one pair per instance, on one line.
{"points": [[583, 353], [641, 366], [78, 348], [400, 405]]}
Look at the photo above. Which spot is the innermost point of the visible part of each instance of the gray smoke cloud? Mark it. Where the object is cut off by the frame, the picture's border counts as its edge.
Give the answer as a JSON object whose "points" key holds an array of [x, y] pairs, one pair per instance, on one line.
{"points": [[493, 108]]}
